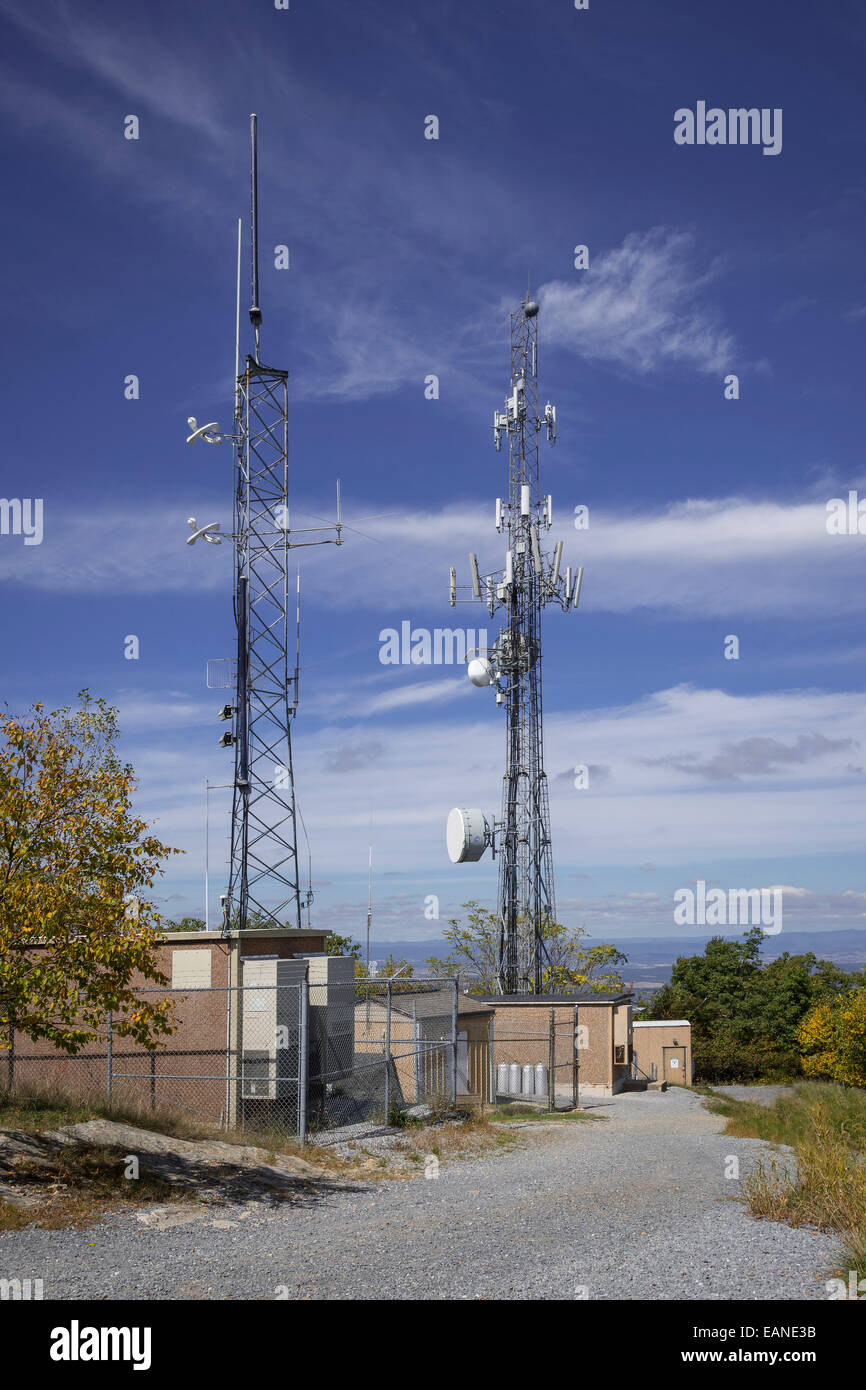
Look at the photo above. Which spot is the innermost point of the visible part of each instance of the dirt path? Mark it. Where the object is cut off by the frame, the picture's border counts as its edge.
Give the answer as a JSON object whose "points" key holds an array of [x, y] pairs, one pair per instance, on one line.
{"points": [[635, 1206]]}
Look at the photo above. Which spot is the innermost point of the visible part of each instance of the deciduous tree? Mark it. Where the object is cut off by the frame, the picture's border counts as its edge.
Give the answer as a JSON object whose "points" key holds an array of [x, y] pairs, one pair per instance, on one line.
{"points": [[77, 927]]}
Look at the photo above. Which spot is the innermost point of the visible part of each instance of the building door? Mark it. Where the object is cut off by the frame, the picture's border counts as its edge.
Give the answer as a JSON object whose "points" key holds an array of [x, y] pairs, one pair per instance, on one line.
{"points": [[675, 1066], [462, 1062]]}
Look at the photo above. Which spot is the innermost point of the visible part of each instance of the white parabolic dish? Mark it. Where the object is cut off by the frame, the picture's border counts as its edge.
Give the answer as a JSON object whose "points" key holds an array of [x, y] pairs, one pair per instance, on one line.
{"points": [[480, 671], [466, 835]]}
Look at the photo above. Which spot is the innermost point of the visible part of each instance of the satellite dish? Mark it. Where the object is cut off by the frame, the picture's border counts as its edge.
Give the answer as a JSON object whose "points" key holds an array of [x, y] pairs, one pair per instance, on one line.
{"points": [[480, 671], [467, 835]]}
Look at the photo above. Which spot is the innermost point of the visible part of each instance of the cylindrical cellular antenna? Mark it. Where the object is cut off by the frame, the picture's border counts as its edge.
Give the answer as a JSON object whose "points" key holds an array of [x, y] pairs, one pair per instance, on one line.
{"points": [[557, 558], [536, 549], [577, 583], [476, 578]]}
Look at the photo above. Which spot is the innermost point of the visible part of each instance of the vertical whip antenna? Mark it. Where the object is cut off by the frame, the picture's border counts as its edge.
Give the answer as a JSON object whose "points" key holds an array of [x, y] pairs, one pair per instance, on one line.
{"points": [[297, 649], [255, 311]]}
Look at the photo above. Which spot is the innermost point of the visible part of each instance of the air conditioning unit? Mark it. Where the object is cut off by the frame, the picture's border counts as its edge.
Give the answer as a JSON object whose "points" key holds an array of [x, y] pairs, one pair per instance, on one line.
{"points": [[270, 1027], [332, 1016]]}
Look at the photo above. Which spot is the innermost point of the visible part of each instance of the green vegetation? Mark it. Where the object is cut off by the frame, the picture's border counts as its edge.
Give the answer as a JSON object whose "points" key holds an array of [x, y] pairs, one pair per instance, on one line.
{"points": [[183, 924], [746, 1014], [337, 945], [832, 1039], [77, 867], [474, 951], [825, 1184]]}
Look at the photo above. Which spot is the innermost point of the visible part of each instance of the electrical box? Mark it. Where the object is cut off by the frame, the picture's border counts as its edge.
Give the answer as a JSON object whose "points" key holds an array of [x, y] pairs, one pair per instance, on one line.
{"points": [[271, 998]]}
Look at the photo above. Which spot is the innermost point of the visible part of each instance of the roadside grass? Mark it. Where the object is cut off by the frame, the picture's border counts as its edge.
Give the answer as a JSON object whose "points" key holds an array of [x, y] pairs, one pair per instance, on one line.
{"points": [[460, 1139], [36, 1108], [823, 1183], [791, 1119]]}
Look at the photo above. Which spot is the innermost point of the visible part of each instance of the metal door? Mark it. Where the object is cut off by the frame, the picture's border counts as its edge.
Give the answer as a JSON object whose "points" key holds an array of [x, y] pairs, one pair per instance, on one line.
{"points": [[462, 1062], [675, 1066]]}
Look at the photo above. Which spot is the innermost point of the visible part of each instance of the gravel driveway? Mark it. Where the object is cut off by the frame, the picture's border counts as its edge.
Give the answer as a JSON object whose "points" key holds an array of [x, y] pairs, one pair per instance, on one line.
{"points": [[635, 1206]]}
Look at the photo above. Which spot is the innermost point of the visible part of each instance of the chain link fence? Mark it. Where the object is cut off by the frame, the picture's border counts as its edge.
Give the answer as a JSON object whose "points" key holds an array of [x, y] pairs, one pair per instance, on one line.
{"points": [[299, 1047], [536, 1064]]}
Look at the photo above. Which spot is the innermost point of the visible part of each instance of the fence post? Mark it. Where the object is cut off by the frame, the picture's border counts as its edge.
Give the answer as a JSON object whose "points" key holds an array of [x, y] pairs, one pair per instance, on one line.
{"points": [[388, 1053], [551, 1063], [576, 1050], [108, 1057], [303, 1009], [11, 1057], [454, 1042], [492, 1045]]}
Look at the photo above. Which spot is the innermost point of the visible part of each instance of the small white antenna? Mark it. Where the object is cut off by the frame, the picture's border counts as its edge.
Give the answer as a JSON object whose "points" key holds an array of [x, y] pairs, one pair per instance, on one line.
{"points": [[209, 433], [476, 578], [557, 558], [577, 583], [207, 533], [536, 549]]}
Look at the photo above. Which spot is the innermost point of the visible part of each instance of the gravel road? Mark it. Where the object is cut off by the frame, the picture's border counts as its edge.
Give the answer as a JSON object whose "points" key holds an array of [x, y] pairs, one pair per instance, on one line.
{"points": [[634, 1206]]}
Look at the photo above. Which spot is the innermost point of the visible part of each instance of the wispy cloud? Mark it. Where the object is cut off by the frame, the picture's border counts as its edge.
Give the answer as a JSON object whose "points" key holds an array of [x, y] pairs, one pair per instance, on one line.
{"points": [[639, 306]]}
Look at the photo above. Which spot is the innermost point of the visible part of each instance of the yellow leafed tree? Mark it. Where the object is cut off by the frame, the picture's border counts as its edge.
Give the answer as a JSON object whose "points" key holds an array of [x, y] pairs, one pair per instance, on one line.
{"points": [[832, 1040], [77, 931]]}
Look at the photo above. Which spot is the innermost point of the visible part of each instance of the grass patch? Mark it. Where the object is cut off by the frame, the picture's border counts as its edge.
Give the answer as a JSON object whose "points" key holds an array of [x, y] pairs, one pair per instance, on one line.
{"points": [[791, 1119], [35, 1109], [77, 1186], [824, 1183], [470, 1137]]}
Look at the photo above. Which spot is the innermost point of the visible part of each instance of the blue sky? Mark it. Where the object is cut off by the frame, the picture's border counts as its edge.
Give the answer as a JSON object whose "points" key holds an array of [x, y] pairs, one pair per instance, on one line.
{"points": [[707, 516]]}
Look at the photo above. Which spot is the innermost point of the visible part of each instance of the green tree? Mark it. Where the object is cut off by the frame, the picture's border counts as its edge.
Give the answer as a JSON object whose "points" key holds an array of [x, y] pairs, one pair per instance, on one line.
{"points": [[392, 966], [183, 924], [76, 868], [337, 945], [745, 1013], [474, 951]]}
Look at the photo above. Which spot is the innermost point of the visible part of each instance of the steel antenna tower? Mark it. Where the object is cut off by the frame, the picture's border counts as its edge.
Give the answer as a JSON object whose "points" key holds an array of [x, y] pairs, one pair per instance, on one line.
{"points": [[529, 580], [264, 876]]}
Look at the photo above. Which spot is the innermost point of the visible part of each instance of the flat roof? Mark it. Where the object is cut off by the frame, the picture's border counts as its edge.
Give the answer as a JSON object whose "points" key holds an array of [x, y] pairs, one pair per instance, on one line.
{"points": [[428, 1003], [662, 1023], [263, 932], [537, 1000]]}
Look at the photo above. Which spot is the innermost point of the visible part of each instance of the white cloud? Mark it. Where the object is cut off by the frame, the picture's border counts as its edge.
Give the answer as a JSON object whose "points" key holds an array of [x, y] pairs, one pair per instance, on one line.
{"points": [[422, 769], [638, 306], [726, 557]]}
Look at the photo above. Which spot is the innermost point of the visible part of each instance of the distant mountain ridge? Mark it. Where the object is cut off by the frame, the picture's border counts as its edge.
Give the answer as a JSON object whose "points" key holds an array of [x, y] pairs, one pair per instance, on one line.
{"points": [[651, 959]]}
